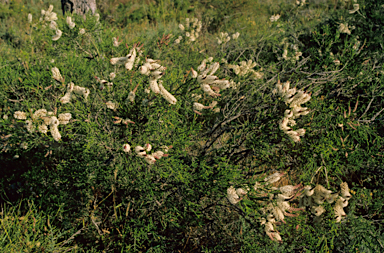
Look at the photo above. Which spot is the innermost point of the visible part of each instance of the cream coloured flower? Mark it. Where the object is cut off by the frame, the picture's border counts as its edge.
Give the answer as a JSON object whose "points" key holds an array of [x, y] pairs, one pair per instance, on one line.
{"points": [[344, 191], [29, 125], [29, 18], [343, 28], [39, 113], [82, 31], [20, 115], [64, 118], [356, 7], [24, 145], [111, 105], [274, 18], [318, 210], [43, 128], [116, 42], [232, 195], [131, 96], [140, 151], [273, 178], [56, 74], [57, 35], [150, 159], [181, 27], [70, 23], [235, 35], [81, 91], [126, 148], [166, 95]]}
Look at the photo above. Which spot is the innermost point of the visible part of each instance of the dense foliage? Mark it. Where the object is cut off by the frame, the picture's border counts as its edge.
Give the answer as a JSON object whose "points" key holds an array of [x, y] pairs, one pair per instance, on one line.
{"points": [[100, 197]]}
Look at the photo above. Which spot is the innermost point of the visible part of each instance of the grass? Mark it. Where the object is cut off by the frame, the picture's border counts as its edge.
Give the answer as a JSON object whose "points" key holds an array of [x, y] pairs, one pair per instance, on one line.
{"points": [[83, 193]]}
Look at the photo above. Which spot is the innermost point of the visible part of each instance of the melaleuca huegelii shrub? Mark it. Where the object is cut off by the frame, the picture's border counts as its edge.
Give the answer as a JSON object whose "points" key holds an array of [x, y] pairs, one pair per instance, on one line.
{"points": [[168, 145]]}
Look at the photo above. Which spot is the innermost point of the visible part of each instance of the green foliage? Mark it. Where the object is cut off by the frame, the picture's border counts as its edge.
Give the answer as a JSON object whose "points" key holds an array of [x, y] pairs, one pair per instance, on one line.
{"points": [[29, 231], [112, 200]]}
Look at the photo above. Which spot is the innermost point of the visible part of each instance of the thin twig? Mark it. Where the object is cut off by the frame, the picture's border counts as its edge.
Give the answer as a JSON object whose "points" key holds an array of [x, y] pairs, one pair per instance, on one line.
{"points": [[366, 110]]}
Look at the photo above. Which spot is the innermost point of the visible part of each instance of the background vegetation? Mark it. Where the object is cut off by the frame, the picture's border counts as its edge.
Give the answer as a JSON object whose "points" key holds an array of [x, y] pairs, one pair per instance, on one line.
{"points": [[84, 194]]}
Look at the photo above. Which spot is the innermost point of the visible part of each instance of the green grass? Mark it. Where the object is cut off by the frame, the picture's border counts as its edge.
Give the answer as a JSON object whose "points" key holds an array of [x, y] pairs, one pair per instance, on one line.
{"points": [[90, 196]]}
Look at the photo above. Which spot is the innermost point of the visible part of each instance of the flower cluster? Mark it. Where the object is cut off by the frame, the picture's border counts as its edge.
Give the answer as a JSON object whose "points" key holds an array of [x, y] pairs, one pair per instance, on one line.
{"points": [[151, 158], [103, 82], [70, 23], [205, 77], [155, 71], [116, 42], [72, 88], [295, 56], [313, 198], [129, 60], [192, 28], [300, 3], [274, 18], [246, 68], [48, 15], [356, 7], [48, 18], [43, 119], [344, 28], [276, 206], [295, 111], [235, 195], [56, 75], [224, 37]]}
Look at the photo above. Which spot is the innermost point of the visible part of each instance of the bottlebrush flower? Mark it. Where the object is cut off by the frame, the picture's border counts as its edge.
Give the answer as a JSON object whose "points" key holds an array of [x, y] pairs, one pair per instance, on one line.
{"points": [[53, 25], [356, 7], [29, 125], [154, 85], [283, 125], [159, 154], [64, 118], [70, 23], [273, 178], [81, 91], [274, 18], [148, 147], [57, 35], [343, 28], [126, 148], [131, 96], [339, 209], [82, 31], [318, 210], [207, 89], [131, 59], [54, 130], [166, 95], [56, 74], [112, 76], [232, 195], [116, 42], [235, 35], [43, 128], [29, 18], [140, 151], [20, 115], [118, 60], [39, 113], [150, 159], [344, 191], [200, 107], [181, 27], [111, 105]]}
